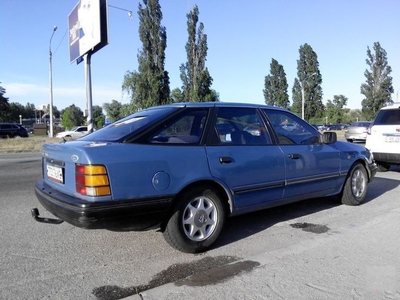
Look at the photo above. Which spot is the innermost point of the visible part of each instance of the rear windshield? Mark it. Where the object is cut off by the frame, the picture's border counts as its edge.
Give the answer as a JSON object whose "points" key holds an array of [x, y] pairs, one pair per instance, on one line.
{"points": [[361, 124], [388, 117], [128, 126]]}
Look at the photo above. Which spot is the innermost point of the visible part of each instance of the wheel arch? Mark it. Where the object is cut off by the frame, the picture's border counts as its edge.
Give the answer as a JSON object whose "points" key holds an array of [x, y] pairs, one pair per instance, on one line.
{"points": [[365, 165], [223, 192], [348, 197]]}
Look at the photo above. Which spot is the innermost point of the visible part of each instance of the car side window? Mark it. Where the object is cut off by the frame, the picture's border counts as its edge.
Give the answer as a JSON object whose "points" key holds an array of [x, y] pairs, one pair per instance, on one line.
{"points": [[187, 128], [240, 126], [291, 130]]}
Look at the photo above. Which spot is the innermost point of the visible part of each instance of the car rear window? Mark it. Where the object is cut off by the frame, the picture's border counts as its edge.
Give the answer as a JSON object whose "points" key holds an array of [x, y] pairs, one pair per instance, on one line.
{"points": [[128, 126], [361, 124], [388, 117]]}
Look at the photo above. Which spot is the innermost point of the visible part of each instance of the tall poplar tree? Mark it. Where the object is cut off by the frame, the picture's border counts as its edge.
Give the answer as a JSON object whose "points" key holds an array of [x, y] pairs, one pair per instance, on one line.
{"points": [[296, 97], [4, 106], [275, 86], [196, 80], [149, 86], [378, 87], [310, 80]]}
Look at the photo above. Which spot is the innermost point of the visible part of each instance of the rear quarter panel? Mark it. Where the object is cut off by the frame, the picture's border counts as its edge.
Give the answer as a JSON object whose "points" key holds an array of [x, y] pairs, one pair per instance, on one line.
{"points": [[135, 171]]}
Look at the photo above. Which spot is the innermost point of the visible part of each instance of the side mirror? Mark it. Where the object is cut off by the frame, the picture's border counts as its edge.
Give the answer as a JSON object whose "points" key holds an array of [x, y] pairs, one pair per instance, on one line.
{"points": [[328, 137]]}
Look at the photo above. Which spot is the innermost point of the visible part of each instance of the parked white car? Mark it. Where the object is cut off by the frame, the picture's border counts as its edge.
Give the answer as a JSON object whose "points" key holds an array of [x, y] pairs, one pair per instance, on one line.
{"points": [[74, 133], [383, 138]]}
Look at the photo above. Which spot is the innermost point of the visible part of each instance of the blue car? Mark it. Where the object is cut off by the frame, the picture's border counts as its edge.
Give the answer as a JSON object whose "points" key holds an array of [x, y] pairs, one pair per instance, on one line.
{"points": [[185, 168]]}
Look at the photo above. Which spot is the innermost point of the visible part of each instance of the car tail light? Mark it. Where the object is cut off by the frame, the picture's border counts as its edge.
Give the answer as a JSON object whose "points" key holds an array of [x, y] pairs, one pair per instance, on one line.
{"points": [[92, 180]]}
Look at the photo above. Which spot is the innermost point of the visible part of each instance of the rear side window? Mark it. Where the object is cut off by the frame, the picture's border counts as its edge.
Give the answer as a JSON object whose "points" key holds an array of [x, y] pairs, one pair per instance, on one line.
{"points": [[388, 117], [185, 128]]}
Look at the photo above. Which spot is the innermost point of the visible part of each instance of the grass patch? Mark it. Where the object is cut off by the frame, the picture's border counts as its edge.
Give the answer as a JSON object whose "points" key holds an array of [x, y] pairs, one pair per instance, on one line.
{"points": [[30, 144]]}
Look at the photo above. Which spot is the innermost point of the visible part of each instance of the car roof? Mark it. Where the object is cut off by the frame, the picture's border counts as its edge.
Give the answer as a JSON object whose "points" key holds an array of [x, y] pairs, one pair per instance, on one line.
{"points": [[394, 105], [218, 104]]}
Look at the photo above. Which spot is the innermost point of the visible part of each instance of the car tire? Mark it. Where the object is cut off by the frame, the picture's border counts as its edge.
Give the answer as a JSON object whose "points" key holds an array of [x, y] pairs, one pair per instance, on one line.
{"points": [[382, 167], [196, 220], [356, 185]]}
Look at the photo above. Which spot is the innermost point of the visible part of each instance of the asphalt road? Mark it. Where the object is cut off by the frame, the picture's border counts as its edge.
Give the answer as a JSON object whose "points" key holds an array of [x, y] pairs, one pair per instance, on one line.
{"points": [[315, 249]]}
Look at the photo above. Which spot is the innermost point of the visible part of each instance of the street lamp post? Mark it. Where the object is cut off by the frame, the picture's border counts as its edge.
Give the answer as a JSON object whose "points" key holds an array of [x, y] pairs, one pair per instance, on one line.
{"points": [[51, 85]]}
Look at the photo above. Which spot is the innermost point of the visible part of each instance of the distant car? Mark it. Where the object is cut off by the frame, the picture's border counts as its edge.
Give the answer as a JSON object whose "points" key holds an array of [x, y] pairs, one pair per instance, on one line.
{"points": [[357, 132], [12, 130], [315, 126], [186, 167], [333, 127], [383, 137], [74, 133]]}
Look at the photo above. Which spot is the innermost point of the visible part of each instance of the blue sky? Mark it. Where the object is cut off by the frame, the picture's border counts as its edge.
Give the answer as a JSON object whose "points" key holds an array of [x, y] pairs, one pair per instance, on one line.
{"points": [[243, 36]]}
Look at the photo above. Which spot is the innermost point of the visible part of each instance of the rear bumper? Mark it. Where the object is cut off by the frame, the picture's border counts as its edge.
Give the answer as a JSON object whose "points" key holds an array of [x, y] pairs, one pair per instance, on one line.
{"points": [[389, 158], [132, 214], [355, 137]]}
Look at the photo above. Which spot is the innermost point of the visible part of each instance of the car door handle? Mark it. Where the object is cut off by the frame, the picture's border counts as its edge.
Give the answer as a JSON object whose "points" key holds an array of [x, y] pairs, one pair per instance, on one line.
{"points": [[225, 160], [294, 156]]}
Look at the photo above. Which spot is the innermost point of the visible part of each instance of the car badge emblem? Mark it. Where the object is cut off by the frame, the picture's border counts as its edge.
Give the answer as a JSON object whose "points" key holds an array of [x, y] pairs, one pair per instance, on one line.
{"points": [[74, 158]]}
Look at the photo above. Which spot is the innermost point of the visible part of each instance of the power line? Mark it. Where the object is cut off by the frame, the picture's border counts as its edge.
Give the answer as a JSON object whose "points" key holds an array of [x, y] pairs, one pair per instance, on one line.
{"points": [[58, 46]]}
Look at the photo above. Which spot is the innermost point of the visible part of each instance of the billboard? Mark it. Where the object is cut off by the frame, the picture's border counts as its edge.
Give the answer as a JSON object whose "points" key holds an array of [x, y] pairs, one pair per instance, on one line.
{"points": [[87, 25]]}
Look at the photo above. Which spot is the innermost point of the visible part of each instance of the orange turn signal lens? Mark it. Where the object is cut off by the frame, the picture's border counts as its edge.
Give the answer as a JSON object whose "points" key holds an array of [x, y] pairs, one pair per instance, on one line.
{"points": [[92, 180]]}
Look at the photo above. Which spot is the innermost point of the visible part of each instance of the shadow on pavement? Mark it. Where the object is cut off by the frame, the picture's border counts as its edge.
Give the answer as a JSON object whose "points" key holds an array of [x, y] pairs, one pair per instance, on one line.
{"points": [[243, 226]]}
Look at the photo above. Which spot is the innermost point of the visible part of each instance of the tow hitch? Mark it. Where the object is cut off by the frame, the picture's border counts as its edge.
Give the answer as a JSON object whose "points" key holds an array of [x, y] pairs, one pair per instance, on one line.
{"points": [[35, 215]]}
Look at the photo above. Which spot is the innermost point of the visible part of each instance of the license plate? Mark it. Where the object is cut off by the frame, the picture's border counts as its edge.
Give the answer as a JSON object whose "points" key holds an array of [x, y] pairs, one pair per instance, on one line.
{"points": [[392, 139], [55, 173]]}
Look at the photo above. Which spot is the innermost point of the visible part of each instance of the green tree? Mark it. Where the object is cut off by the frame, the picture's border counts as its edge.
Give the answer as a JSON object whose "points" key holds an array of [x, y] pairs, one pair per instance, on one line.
{"points": [[149, 86], [56, 112], [177, 95], [335, 109], [275, 91], [296, 97], [4, 106], [72, 116], [355, 115], [114, 110], [196, 80], [126, 110], [98, 116], [15, 111], [378, 87], [310, 80], [29, 110]]}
